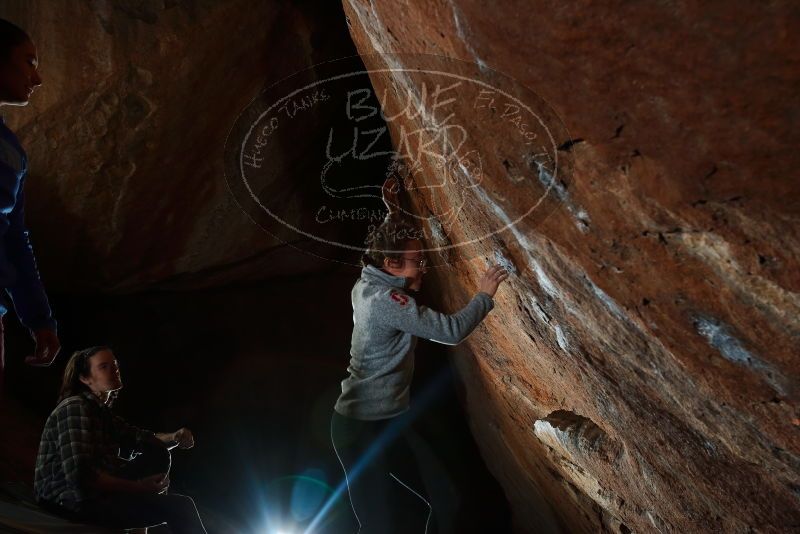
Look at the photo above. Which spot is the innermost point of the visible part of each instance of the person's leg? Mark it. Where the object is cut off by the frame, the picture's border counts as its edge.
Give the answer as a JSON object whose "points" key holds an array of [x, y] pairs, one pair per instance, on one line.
{"points": [[408, 490], [136, 511], [357, 445], [2, 358]]}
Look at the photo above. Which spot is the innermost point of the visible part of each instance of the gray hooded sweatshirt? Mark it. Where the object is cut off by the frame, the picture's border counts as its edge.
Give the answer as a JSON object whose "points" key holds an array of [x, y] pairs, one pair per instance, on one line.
{"points": [[386, 324]]}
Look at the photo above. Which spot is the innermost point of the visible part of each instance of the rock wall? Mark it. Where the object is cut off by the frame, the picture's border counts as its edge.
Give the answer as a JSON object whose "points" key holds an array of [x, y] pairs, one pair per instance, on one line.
{"points": [[639, 372], [126, 136]]}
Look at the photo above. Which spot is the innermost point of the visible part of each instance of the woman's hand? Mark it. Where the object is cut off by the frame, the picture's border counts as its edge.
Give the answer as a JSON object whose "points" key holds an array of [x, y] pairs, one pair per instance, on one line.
{"points": [[492, 278], [184, 438], [47, 347]]}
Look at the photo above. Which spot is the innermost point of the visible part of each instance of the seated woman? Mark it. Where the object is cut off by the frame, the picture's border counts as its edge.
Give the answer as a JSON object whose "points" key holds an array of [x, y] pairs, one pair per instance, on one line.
{"points": [[94, 467]]}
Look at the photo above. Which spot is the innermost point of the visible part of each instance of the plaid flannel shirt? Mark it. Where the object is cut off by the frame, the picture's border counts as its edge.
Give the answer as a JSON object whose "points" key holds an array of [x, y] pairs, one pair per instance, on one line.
{"points": [[81, 437]]}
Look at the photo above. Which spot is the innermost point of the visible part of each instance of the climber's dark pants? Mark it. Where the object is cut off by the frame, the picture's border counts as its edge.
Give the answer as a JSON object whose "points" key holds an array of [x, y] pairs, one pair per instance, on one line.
{"points": [[384, 482], [129, 511]]}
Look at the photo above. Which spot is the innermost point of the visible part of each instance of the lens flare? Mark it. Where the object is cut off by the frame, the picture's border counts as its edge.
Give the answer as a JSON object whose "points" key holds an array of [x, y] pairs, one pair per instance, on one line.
{"points": [[431, 391]]}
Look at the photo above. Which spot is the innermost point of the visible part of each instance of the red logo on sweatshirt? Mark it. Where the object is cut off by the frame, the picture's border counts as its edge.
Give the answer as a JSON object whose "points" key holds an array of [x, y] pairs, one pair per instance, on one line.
{"points": [[399, 297]]}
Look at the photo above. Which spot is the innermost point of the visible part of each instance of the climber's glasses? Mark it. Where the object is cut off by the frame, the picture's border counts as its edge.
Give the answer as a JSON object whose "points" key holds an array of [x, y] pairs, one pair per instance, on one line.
{"points": [[421, 263]]}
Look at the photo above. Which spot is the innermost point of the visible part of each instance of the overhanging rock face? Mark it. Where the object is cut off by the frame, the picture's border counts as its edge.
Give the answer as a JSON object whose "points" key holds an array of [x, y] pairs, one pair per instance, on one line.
{"points": [[639, 371]]}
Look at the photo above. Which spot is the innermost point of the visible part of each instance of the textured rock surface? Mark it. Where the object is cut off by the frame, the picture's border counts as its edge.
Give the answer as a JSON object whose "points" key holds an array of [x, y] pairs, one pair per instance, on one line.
{"points": [[640, 371], [127, 133]]}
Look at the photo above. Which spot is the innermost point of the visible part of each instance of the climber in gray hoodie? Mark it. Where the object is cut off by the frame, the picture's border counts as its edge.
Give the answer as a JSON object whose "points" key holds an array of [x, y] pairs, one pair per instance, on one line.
{"points": [[370, 426]]}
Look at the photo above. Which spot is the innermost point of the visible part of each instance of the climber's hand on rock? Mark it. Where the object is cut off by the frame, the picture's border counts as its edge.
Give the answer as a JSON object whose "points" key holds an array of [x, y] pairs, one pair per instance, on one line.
{"points": [[492, 278]]}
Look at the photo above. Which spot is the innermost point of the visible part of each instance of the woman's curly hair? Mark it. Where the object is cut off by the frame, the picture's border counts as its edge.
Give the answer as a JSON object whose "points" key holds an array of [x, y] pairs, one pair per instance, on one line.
{"points": [[389, 240]]}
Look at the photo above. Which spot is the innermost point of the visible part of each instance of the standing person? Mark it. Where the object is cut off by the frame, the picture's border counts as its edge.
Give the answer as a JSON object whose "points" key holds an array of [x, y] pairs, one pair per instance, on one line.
{"points": [[19, 277], [370, 427], [94, 467]]}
